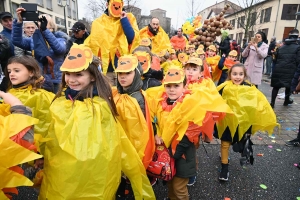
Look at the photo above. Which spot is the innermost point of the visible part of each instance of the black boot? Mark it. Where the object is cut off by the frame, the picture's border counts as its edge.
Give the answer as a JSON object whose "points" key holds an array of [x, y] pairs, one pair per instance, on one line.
{"points": [[272, 104], [287, 101], [224, 173]]}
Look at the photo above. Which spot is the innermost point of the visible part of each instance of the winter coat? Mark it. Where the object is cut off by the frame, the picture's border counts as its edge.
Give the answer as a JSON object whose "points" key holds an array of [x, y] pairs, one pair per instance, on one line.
{"points": [[5, 51], [185, 167], [255, 61], [225, 46], [287, 60], [73, 40], [271, 48], [295, 80], [8, 33], [57, 43]]}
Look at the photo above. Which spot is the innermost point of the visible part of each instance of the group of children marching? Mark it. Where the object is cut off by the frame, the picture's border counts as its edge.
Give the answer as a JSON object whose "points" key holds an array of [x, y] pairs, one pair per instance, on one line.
{"points": [[96, 139]]}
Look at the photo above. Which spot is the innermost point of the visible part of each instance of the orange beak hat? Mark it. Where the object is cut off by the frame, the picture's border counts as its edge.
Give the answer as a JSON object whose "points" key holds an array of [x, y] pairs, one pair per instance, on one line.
{"points": [[145, 42], [183, 57], [174, 75], [127, 63], [115, 7], [79, 58], [144, 59]]}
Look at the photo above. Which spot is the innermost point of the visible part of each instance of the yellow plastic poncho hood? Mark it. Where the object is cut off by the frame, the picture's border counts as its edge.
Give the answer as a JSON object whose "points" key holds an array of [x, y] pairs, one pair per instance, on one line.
{"points": [[87, 154]]}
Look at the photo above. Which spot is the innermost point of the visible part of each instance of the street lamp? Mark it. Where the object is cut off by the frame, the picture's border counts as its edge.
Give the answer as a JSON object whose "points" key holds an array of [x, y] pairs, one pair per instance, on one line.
{"points": [[297, 14], [64, 4]]}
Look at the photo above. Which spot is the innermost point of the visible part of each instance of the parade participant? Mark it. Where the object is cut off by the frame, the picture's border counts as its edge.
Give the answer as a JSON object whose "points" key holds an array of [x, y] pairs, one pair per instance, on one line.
{"points": [[113, 34], [190, 49], [226, 63], [252, 113], [172, 54], [180, 117], [212, 60], [178, 41], [133, 111], [77, 161], [160, 40], [80, 34], [17, 142]]}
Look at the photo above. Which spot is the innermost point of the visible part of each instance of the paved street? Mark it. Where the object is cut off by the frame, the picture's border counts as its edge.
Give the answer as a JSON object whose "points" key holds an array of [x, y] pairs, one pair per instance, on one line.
{"points": [[275, 169]]}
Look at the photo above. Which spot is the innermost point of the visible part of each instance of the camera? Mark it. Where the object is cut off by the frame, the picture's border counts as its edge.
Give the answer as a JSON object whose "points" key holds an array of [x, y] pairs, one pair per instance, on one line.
{"points": [[31, 13]]}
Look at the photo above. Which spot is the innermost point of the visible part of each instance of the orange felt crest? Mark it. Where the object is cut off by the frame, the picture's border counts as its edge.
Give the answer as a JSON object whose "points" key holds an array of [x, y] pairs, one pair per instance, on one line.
{"points": [[78, 58], [145, 42], [144, 59], [174, 75], [200, 51], [115, 7], [183, 57], [162, 53], [127, 63]]}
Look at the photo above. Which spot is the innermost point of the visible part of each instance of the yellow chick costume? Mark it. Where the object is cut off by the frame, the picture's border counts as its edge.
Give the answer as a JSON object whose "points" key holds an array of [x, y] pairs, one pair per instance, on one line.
{"points": [[89, 149]]}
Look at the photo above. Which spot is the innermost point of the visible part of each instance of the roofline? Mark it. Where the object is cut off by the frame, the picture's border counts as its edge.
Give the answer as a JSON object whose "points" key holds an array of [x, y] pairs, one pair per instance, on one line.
{"points": [[262, 2], [217, 4]]}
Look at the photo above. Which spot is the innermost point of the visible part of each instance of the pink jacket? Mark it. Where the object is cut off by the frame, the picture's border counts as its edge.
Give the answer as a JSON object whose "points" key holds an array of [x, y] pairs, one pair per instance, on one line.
{"points": [[254, 62]]}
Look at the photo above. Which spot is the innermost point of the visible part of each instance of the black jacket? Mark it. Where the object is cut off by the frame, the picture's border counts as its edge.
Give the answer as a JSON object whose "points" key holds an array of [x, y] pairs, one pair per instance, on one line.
{"points": [[287, 60], [73, 39], [225, 46], [185, 167], [271, 48]]}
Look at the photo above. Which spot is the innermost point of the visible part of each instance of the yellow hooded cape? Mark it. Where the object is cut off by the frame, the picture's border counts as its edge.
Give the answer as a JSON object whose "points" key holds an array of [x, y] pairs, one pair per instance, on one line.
{"points": [[107, 38], [193, 108], [160, 42], [87, 154], [137, 129], [250, 107], [213, 63], [11, 153], [39, 101]]}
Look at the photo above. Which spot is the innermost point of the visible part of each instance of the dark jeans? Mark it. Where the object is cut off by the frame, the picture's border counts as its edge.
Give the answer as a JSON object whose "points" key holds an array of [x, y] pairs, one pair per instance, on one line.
{"points": [[275, 92], [269, 60]]}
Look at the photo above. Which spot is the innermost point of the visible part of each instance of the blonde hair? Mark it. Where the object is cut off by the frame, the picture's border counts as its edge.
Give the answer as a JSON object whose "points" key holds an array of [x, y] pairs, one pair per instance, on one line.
{"points": [[51, 22]]}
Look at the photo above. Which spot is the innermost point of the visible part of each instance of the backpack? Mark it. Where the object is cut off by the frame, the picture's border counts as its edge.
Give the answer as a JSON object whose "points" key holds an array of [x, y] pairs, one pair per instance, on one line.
{"points": [[162, 165]]}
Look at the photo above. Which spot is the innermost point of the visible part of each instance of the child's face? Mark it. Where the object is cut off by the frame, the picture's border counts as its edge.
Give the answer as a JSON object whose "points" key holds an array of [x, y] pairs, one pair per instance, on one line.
{"points": [[191, 50], [237, 75], [173, 56], [211, 53], [233, 58], [174, 90], [192, 73], [202, 56], [78, 80], [18, 73], [126, 78]]}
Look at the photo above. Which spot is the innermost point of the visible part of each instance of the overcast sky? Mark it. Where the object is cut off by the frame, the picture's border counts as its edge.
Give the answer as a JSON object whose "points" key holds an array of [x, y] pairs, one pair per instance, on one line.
{"points": [[176, 9]]}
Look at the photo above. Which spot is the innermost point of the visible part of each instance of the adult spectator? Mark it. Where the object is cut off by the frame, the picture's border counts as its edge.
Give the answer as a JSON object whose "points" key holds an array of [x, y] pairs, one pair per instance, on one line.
{"points": [[179, 41], [49, 46], [255, 54], [287, 60], [114, 34], [6, 22], [160, 40], [269, 57], [29, 28], [79, 35], [244, 46], [224, 46]]}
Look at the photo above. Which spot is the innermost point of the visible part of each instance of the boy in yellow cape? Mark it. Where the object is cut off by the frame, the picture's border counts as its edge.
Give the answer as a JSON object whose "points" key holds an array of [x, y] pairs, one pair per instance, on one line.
{"points": [[212, 60]]}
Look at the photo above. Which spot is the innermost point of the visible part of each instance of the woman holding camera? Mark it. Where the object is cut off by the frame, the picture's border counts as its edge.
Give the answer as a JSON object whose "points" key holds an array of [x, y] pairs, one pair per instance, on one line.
{"points": [[255, 52], [48, 46]]}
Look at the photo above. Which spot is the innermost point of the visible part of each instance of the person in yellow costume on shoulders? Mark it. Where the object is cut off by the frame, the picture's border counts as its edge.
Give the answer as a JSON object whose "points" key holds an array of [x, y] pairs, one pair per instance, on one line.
{"points": [[113, 34], [89, 147], [212, 60], [252, 113], [25, 82], [160, 39], [180, 115]]}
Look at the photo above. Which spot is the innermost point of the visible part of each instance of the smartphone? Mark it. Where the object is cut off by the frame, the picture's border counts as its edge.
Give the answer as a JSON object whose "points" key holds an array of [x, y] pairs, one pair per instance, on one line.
{"points": [[252, 39], [31, 13]]}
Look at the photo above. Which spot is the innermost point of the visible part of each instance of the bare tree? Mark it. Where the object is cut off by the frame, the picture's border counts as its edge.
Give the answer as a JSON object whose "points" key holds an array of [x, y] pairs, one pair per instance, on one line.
{"points": [[192, 7], [248, 16]]}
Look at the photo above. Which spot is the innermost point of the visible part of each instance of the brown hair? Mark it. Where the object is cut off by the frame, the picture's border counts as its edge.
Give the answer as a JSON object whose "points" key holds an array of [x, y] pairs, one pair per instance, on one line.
{"points": [[237, 65], [36, 81], [143, 49], [195, 66], [101, 83]]}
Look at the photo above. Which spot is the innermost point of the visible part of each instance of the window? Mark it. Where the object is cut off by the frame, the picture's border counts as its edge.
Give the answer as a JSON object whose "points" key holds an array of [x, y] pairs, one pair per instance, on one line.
{"points": [[14, 8], [253, 18], [232, 22], [265, 31], [238, 22], [2, 6], [251, 34], [59, 21], [49, 4], [240, 38], [69, 24], [242, 21], [288, 11], [40, 2], [267, 16], [69, 12], [74, 14], [262, 16], [59, 2]]}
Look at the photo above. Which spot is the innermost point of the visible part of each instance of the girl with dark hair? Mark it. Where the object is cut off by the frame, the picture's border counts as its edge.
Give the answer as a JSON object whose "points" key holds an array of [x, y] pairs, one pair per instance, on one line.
{"points": [[89, 148], [255, 53]]}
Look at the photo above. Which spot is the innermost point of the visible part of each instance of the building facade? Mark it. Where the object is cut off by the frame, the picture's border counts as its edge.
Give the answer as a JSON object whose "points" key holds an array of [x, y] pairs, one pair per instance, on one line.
{"points": [[54, 8], [273, 17]]}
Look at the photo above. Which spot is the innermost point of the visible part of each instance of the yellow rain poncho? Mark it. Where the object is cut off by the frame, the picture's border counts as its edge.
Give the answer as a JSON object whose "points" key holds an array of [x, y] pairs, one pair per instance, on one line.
{"points": [[39, 102], [250, 107], [193, 108], [160, 41], [87, 154], [11, 153], [108, 38], [213, 63]]}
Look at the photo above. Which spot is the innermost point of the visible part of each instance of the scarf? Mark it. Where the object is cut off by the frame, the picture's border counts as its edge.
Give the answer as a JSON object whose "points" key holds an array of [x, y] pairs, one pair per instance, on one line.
{"points": [[72, 94], [259, 44]]}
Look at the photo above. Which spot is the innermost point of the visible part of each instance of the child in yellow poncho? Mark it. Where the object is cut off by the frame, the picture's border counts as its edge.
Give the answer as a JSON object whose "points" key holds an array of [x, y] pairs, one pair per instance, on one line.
{"points": [[212, 60]]}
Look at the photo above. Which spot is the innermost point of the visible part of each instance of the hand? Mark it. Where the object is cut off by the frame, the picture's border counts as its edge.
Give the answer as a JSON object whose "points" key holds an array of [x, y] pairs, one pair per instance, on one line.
{"points": [[10, 99], [295, 92], [123, 14], [19, 11], [224, 55], [217, 46], [44, 23], [158, 140]]}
